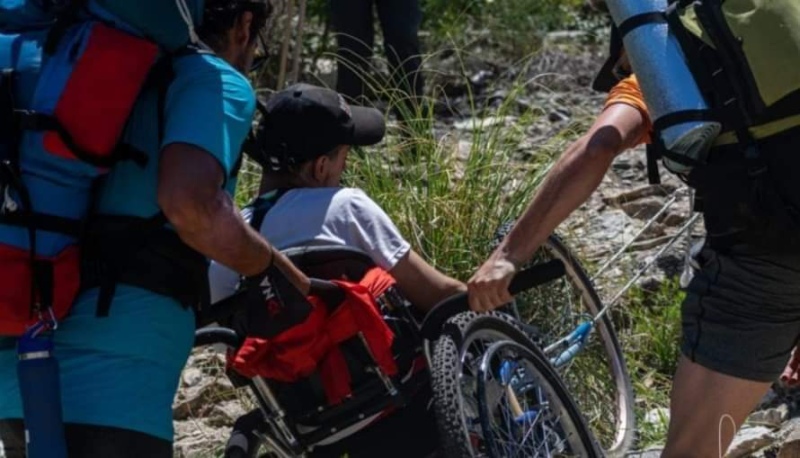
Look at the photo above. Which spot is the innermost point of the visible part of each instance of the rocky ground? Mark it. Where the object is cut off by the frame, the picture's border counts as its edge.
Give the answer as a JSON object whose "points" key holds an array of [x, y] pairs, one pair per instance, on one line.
{"points": [[556, 86]]}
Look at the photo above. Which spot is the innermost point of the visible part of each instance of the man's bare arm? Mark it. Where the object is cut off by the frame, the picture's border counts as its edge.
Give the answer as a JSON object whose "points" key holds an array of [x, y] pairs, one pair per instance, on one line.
{"points": [[191, 196], [573, 179]]}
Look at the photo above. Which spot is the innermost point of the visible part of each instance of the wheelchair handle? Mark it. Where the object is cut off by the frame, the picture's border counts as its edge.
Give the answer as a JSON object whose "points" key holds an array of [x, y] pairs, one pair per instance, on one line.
{"points": [[524, 280]]}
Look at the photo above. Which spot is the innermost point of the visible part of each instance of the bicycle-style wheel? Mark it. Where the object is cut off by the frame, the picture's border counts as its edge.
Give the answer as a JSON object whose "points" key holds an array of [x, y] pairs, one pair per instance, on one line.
{"points": [[497, 396], [596, 376]]}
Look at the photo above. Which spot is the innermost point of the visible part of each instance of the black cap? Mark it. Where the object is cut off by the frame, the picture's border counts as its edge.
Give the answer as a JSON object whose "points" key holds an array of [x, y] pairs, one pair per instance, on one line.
{"points": [[304, 122]]}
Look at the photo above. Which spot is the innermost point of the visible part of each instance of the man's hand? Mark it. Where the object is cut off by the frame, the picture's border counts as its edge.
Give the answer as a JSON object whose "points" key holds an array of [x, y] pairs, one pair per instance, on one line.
{"points": [[488, 288]]}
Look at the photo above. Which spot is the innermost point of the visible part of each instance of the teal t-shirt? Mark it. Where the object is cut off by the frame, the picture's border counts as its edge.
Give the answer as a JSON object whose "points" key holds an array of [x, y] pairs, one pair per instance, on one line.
{"points": [[123, 370]]}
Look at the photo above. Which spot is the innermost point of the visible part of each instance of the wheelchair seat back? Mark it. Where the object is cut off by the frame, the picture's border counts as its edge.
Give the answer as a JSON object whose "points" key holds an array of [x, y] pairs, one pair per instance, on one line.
{"points": [[331, 262], [305, 401]]}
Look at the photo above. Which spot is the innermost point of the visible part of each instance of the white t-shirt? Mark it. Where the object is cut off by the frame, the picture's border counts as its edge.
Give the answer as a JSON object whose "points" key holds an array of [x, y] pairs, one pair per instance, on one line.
{"points": [[322, 216]]}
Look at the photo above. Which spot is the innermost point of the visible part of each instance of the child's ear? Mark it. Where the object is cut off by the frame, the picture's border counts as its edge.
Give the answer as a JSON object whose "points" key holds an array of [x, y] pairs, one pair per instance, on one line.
{"points": [[321, 168]]}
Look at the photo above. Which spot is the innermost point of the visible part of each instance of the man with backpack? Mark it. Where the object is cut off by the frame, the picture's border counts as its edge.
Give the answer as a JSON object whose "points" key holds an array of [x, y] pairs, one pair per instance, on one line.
{"points": [[741, 316], [147, 222]]}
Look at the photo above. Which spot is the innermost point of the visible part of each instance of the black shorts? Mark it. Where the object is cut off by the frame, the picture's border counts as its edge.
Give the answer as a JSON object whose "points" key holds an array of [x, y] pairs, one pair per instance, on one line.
{"points": [[89, 441], [741, 316]]}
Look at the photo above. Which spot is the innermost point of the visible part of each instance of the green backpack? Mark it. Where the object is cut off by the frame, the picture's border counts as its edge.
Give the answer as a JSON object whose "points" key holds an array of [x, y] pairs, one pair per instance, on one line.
{"points": [[757, 46]]}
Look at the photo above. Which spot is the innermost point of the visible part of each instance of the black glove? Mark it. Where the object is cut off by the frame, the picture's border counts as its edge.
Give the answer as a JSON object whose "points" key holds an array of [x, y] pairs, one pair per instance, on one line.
{"points": [[273, 305]]}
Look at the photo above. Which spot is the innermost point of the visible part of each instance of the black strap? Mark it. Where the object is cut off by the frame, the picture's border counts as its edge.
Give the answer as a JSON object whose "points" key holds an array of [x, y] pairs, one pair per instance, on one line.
{"points": [[8, 124], [636, 21], [653, 154], [43, 222], [263, 204], [608, 76], [64, 20], [163, 73], [42, 271], [30, 120], [142, 252], [732, 60]]}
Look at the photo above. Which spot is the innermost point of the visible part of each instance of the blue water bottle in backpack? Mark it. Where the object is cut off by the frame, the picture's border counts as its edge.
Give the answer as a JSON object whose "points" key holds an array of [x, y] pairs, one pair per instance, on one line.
{"points": [[39, 384]]}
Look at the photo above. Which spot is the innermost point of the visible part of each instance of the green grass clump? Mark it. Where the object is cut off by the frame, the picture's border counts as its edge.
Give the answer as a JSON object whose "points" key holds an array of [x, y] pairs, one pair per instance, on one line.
{"points": [[651, 340]]}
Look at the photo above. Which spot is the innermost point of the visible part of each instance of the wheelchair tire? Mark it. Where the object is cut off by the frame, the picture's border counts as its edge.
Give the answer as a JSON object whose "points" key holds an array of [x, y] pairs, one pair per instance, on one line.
{"points": [[555, 309], [458, 416]]}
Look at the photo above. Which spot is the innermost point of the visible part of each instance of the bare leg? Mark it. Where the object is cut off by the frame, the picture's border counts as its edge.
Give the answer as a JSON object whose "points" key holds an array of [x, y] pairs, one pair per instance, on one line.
{"points": [[707, 408]]}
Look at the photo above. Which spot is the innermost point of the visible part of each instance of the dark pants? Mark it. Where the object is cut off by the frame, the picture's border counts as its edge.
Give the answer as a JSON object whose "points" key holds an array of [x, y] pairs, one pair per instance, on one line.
{"points": [[353, 22], [88, 441]]}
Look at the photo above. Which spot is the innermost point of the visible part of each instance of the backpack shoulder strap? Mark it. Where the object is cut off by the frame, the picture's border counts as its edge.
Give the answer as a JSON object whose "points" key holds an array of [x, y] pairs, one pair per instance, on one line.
{"points": [[263, 204]]}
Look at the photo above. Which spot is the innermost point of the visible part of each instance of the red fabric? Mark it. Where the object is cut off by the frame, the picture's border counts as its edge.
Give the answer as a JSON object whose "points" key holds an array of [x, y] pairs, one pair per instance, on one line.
{"points": [[335, 376], [15, 287], [359, 313], [377, 281], [102, 88], [314, 344], [290, 356]]}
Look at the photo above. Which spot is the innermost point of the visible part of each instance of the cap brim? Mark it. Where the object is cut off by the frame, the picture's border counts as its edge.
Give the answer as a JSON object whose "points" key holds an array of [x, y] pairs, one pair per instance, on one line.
{"points": [[369, 126]]}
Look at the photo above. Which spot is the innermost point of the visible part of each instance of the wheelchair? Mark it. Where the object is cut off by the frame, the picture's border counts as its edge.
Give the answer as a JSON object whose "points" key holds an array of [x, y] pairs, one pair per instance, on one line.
{"points": [[494, 390]]}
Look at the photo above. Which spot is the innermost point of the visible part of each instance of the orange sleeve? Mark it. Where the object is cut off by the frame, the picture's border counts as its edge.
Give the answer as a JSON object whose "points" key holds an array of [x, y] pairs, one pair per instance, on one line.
{"points": [[628, 92]]}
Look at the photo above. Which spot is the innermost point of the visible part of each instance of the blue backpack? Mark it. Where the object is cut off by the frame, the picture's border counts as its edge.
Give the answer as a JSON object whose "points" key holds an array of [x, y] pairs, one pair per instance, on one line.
{"points": [[70, 74]]}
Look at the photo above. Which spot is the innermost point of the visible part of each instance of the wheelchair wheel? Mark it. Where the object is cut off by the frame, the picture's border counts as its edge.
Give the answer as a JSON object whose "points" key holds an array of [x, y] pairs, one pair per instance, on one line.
{"points": [[497, 396], [597, 376], [242, 443]]}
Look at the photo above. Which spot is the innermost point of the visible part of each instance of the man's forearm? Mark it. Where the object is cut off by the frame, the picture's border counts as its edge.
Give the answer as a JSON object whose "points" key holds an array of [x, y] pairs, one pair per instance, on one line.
{"points": [[571, 182], [218, 231]]}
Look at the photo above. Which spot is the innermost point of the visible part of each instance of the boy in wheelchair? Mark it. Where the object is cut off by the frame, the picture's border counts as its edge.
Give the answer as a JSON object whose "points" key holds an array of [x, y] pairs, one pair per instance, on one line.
{"points": [[303, 139]]}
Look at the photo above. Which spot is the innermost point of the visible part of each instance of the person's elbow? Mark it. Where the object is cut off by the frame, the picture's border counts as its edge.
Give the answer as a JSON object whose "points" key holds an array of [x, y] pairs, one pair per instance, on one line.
{"points": [[190, 192], [603, 144], [190, 210]]}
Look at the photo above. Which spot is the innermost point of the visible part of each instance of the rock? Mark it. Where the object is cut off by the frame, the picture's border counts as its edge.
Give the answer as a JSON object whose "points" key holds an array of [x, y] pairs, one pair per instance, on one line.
{"points": [[191, 376], [481, 78], [771, 418], [224, 414], [673, 219], [653, 452], [563, 37], [195, 438], [791, 444], [655, 230], [559, 115], [769, 399], [641, 192], [658, 418], [750, 440], [197, 400], [483, 123], [463, 150], [671, 263], [645, 208], [650, 244]]}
